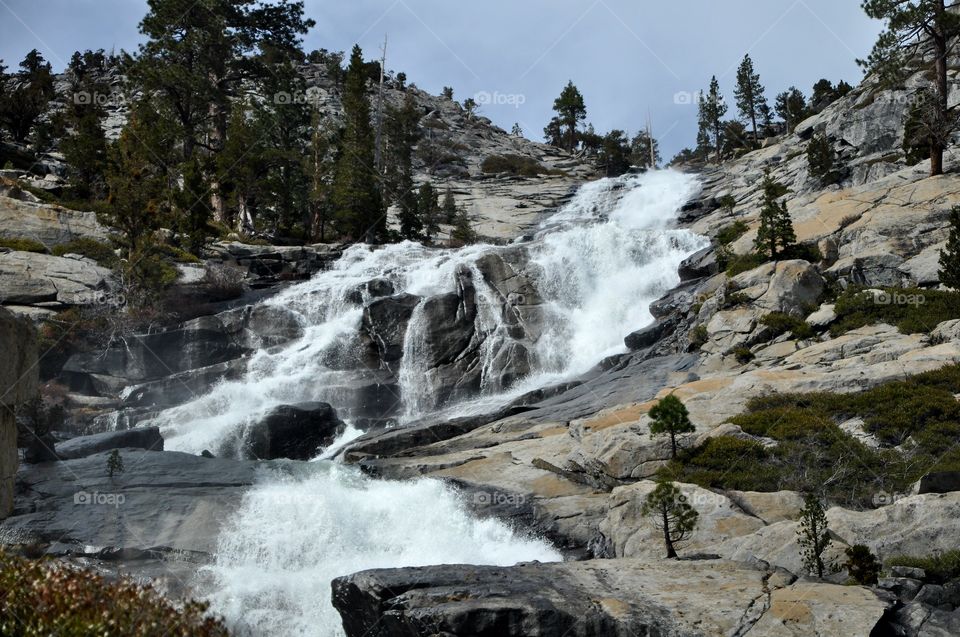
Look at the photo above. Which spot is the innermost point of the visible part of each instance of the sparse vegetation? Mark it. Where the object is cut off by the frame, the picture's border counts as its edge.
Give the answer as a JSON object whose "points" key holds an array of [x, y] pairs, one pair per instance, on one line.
{"points": [[780, 323], [862, 565], [730, 233], [911, 310], [90, 248], [42, 597], [23, 245], [940, 568], [515, 165]]}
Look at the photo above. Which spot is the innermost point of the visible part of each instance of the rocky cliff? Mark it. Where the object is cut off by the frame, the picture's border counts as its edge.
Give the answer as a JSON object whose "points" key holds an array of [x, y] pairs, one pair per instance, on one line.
{"points": [[18, 383]]}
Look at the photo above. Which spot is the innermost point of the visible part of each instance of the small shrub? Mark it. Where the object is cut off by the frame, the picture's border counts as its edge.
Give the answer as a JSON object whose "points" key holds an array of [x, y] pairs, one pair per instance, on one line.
{"points": [[728, 463], [863, 566], [90, 248], [911, 310], [23, 245], [698, 336], [742, 354], [741, 263], [730, 233], [515, 165], [780, 323], [849, 220], [728, 202], [114, 463], [940, 567], [46, 598]]}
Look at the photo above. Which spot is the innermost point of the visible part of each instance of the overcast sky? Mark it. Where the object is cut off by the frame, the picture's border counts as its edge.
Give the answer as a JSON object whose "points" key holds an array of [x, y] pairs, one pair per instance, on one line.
{"points": [[627, 57]]}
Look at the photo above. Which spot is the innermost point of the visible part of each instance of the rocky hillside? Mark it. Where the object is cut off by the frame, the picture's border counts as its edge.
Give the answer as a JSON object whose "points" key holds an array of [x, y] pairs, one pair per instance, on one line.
{"points": [[861, 322]]}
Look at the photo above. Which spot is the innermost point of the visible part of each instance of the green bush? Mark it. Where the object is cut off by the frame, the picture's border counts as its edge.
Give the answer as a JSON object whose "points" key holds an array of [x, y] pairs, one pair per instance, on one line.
{"points": [[780, 323], [23, 245], [740, 263], [742, 354], [90, 248], [515, 165], [911, 310], [45, 598], [727, 463], [730, 233], [698, 336], [940, 567]]}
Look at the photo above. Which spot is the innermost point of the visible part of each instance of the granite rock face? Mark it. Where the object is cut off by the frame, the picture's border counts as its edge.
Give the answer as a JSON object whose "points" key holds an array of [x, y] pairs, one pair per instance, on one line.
{"points": [[18, 384]]}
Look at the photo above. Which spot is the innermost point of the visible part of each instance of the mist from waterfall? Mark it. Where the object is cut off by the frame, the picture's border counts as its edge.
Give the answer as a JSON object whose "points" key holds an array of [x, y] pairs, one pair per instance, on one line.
{"points": [[597, 264]]}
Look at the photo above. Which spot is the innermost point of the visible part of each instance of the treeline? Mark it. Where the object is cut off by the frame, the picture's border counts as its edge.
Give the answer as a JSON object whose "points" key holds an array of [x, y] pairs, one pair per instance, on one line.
{"points": [[614, 153], [720, 137], [222, 135]]}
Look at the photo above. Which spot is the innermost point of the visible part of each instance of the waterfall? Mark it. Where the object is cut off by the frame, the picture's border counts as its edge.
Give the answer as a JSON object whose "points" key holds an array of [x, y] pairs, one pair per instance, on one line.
{"points": [[593, 268]]}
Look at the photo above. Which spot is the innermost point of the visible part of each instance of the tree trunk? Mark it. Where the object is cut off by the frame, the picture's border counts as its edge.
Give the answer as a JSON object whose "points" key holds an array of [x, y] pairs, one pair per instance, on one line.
{"points": [[940, 64], [667, 541], [218, 136], [673, 445]]}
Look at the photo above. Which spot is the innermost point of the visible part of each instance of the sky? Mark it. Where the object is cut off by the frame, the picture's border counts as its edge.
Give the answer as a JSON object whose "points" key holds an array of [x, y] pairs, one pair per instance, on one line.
{"points": [[630, 58]]}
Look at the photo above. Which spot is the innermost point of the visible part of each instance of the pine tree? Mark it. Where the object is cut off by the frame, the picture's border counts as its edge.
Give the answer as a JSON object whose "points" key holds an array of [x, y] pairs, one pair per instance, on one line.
{"points": [[776, 233], [321, 167], [571, 111], [640, 151], [614, 153], [449, 206], [463, 232], [84, 145], [402, 134], [428, 210], [911, 28], [749, 93], [516, 131], [553, 133], [820, 159], [670, 416], [862, 565], [669, 512], [240, 166], [950, 254], [27, 101], [713, 109], [813, 536], [791, 106], [356, 195]]}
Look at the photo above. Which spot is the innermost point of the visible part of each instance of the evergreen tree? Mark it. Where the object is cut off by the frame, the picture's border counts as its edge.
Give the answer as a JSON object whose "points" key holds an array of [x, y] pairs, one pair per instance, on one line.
{"points": [[33, 89], [813, 536], [670, 513], [791, 106], [749, 94], [199, 56], [321, 167], [140, 180], [401, 135], [910, 27], [463, 232], [735, 138], [862, 565], [470, 106], [516, 131], [821, 158], [822, 96], [776, 233], [613, 158], [356, 195], [553, 133], [428, 210], [950, 254], [240, 166], [640, 151], [401, 81], [670, 417], [713, 109], [449, 206], [447, 93], [571, 111], [192, 206], [85, 144]]}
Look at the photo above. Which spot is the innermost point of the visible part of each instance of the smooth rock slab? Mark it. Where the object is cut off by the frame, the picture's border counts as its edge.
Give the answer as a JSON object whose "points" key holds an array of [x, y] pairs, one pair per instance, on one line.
{"points": [[147, 438], [599, 598]]}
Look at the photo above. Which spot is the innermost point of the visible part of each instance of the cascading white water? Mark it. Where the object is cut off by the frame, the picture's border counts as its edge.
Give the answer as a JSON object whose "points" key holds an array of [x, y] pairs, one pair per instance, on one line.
{"points": [[295, 533], [598, 263]]}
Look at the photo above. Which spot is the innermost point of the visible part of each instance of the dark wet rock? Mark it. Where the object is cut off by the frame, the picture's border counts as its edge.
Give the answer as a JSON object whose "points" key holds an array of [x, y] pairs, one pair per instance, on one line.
{"points": [[651, 334], [699, 264], [295, 432], [385, 322], [939, 482], [147, 438]]}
